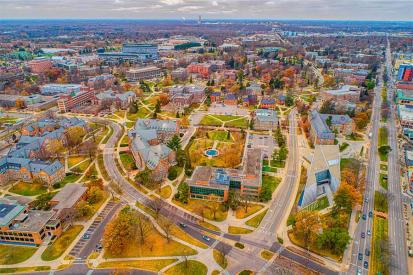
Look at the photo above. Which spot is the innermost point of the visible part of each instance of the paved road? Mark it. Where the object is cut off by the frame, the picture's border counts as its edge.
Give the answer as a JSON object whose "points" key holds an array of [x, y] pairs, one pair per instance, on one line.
{"points": [[360, 244], [397, 234], [279, 206], [133, 195]]}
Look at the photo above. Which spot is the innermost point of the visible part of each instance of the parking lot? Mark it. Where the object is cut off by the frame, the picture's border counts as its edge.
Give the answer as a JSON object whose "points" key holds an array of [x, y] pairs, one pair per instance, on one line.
{"points": [[264, 142], [221, 109], [92, 236]]}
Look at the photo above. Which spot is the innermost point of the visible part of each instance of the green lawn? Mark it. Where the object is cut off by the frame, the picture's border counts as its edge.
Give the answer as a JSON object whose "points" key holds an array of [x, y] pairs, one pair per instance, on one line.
{"points": [[255, 221], [190, 267], [220, 258], [28, 189], [380, 232], [27, 270], [196, 206], [239, 123], [383, 180], [69, 178], [13, 254], [238, 230], [151, 265], [380, 202], [59, 246], [273, 182], [319, 204], [142, 113], [227, 117], [127, 160], [266, 168], [343, 146], [209, 120], [349, 163], [383, 136], [251, 209], [219, 135]]}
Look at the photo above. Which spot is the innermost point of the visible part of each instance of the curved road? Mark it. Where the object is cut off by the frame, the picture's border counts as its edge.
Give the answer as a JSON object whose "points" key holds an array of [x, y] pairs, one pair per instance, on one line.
{"points": [[194, 229]]}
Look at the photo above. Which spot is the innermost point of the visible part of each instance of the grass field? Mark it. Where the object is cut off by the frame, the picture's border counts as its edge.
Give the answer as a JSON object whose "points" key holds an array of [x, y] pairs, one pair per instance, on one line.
{"points": [[190, 267], [383, 136], [29, 270], [220, 258], [127, 160], [209, 120], [196, 206], [72, 161], [180, 234], [255, 221], [383, 180], [219, 135], [156, 245], [273, 182], [28, 189], [13, 254], [380, 202], [380, 232], [238, 230], [150, 265], [319, 204], [166, 192], [253, 208], [59, 246], [230, 152]]}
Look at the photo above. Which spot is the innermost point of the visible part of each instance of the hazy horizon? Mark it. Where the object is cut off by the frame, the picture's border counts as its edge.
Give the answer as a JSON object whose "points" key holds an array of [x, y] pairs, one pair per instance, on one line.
{"points": [[358, 10]]}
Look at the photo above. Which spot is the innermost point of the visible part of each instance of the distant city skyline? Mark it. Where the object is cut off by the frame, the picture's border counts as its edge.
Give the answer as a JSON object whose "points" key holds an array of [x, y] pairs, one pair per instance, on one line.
{"points": [[217, 9]]}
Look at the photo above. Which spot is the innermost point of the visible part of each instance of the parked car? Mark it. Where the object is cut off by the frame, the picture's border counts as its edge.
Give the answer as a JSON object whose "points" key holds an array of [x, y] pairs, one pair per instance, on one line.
{"points": [[360, 256], [369, 232], [206, 238], [363, 235], [364, 216], [366, 264], [182, 225], [367, 252], [358, 271], [370, 214], [86, 236]]}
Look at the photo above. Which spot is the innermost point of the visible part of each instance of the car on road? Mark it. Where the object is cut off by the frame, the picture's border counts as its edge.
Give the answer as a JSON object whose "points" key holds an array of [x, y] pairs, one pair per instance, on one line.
{"points": [[358, 271], [366, 200], [370, 214], [86, 236], [364, 216], [366, 264], [367, 252], [181, 224], [363, 235], [369, 232], [206, 238], [360, 256]]}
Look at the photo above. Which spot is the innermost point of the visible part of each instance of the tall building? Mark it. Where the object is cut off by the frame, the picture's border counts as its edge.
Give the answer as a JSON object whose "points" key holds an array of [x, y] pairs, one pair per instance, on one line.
{"points": [[138, 74], [323, 177], [133, 53], [40, 65]]}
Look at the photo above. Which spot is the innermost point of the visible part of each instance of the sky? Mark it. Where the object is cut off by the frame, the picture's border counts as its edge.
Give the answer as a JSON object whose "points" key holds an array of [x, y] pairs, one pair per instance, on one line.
{"points": [[214, 9]]}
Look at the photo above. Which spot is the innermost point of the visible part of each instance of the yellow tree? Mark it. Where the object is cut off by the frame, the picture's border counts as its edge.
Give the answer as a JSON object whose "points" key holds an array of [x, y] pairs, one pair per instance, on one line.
{"points": [[307, 226]]}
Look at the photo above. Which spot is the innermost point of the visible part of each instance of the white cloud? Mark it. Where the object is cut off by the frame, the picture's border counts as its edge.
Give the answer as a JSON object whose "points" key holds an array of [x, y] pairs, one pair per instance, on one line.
{"points": [[172, 2], [214, 3]]}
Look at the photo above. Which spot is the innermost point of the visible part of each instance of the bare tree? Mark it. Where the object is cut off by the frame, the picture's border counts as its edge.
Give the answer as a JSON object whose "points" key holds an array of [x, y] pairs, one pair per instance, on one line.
{"points": [[143, 227], [246, 200], [156, 205], [167, 225]]}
